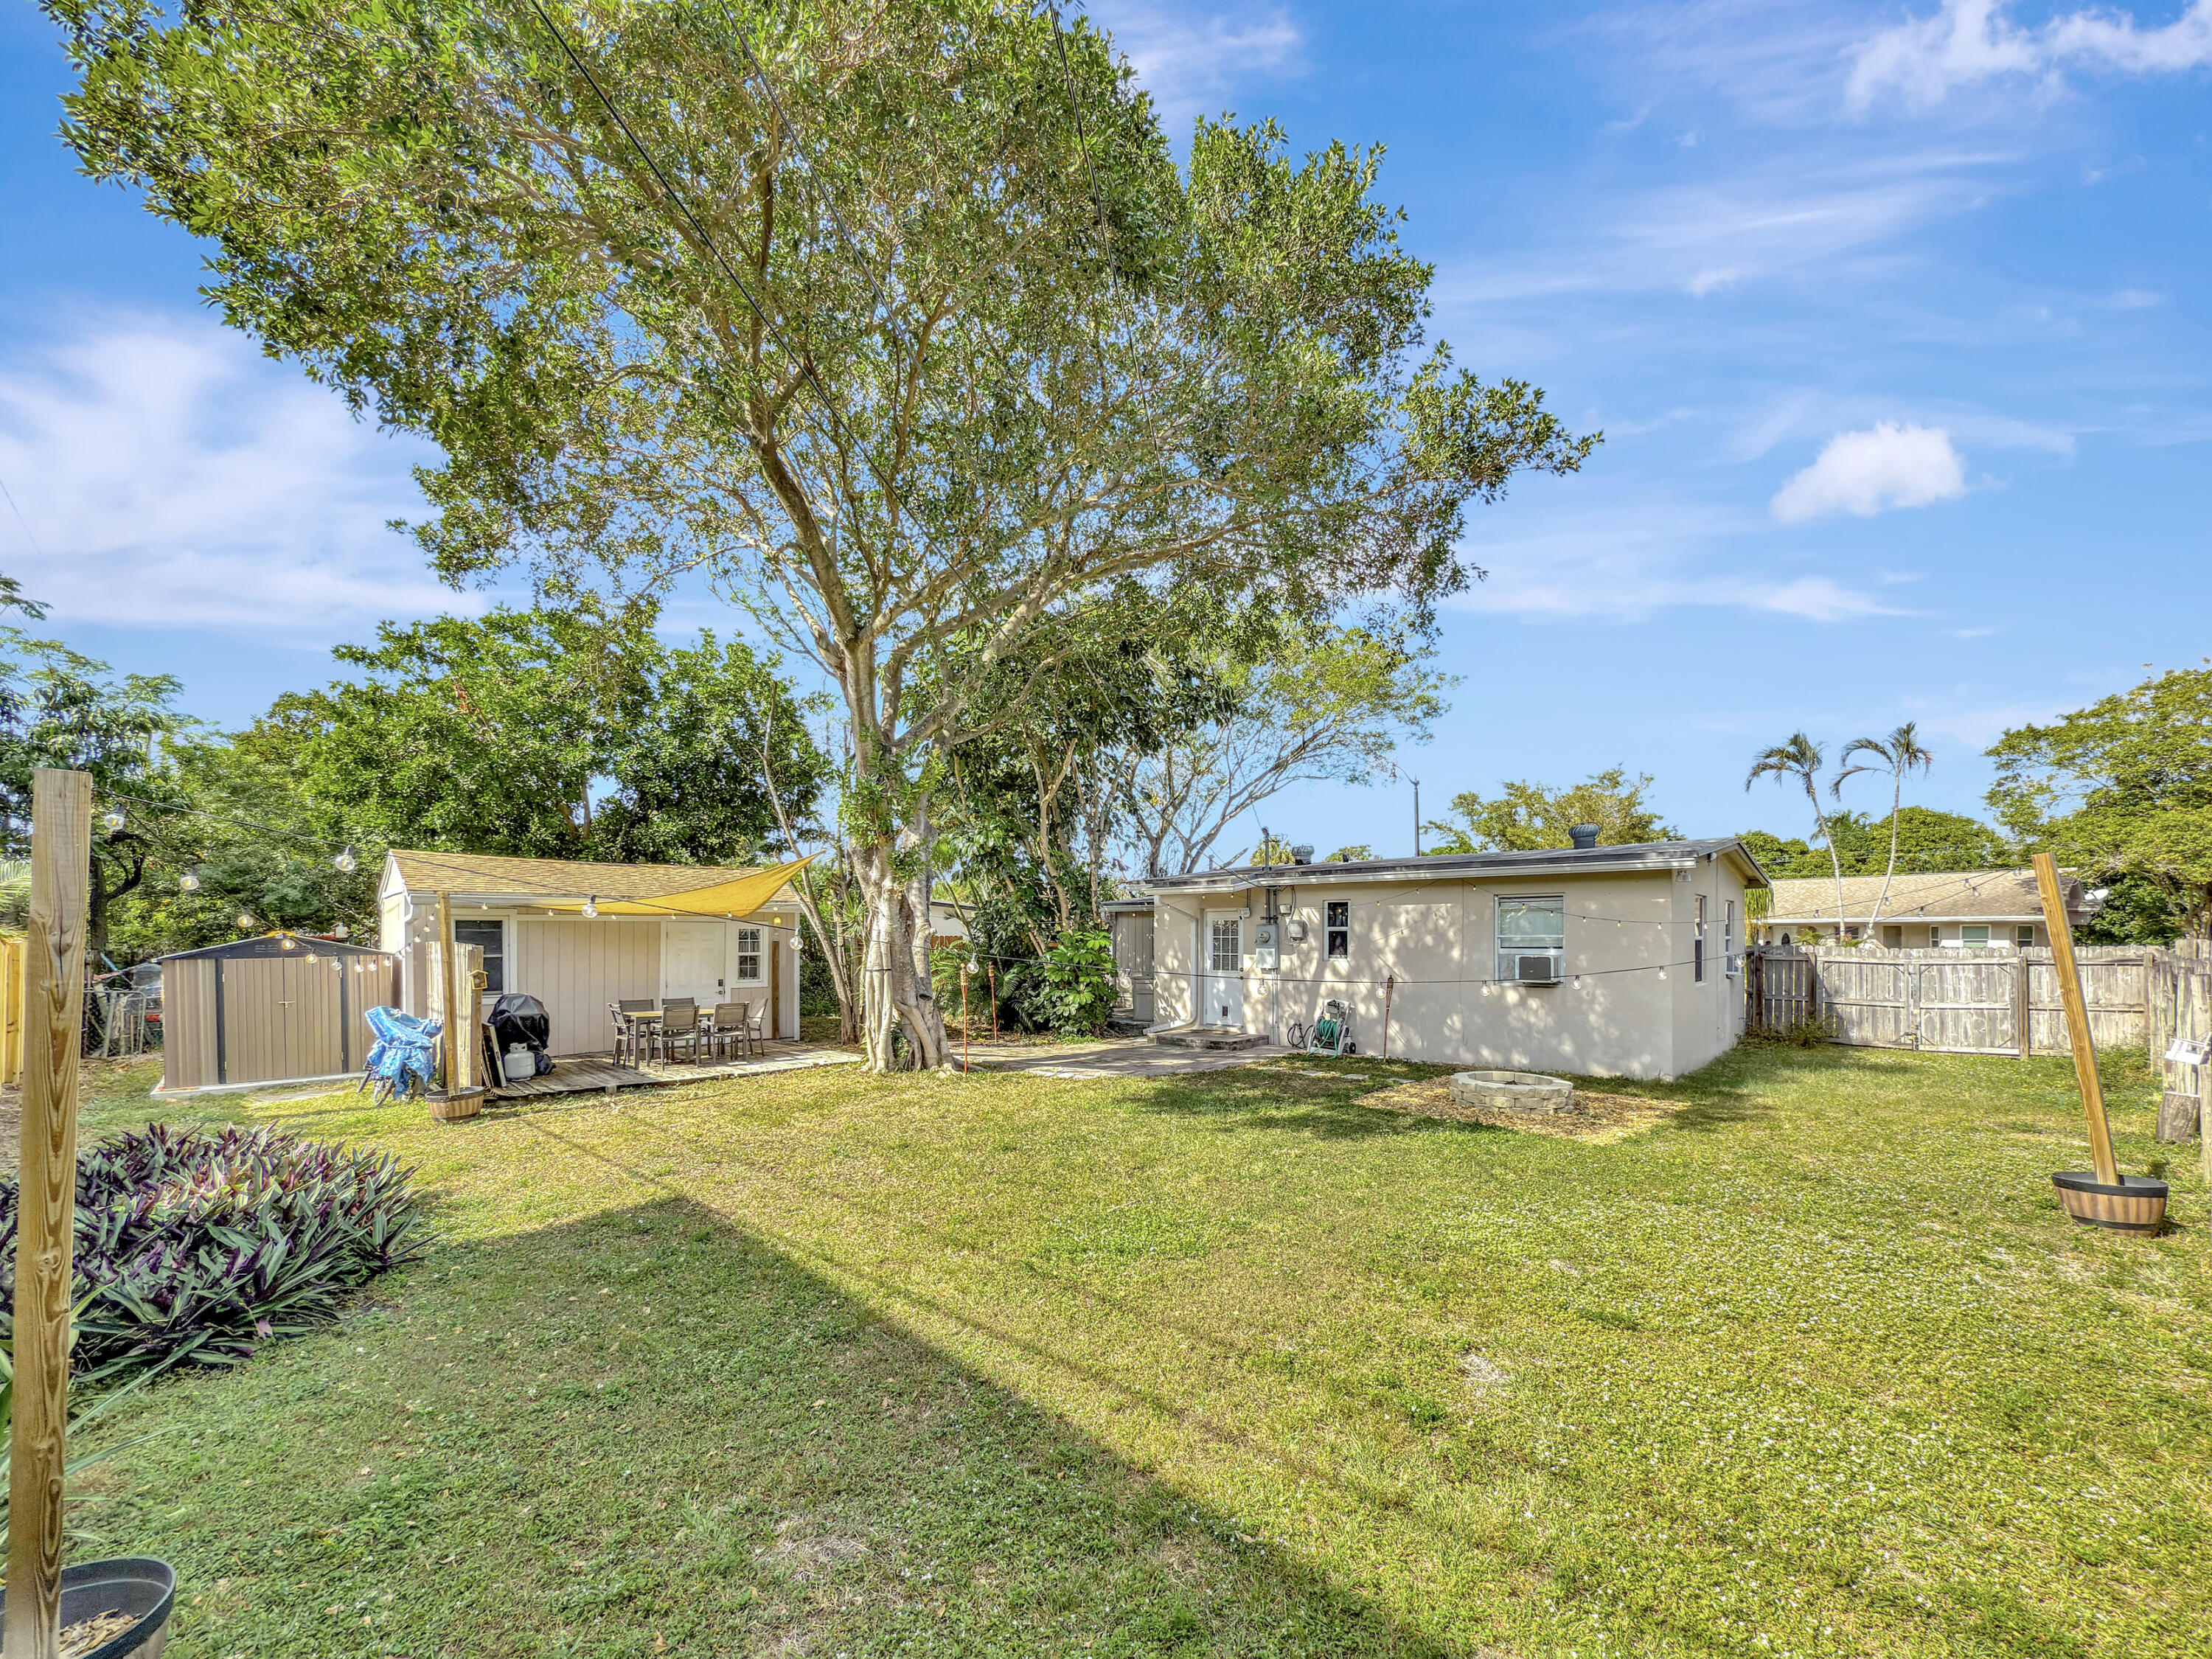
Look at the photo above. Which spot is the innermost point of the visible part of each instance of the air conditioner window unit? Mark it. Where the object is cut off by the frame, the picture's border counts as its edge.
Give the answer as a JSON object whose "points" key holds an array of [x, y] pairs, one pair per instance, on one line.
{"points": [[1541, 969]]}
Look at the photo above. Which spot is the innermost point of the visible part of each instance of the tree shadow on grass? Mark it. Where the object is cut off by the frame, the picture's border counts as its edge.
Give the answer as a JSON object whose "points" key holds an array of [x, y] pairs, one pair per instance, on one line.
{"points": [[650, 1432]]}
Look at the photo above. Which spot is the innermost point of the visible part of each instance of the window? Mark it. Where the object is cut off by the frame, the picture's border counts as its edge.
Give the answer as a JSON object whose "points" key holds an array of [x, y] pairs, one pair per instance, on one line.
{"points": [[1934, 935], [1227, 940], [1728, 938], [749, 956], [490, 936], [1697, 944], [1340, 929], [1528, 928], [2024, 935], [1974, 933]]}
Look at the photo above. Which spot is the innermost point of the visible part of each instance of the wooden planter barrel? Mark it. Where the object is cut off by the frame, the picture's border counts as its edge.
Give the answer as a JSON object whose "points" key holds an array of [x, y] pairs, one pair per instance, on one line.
{"points": [[2133, 1204], [453, 1108]]}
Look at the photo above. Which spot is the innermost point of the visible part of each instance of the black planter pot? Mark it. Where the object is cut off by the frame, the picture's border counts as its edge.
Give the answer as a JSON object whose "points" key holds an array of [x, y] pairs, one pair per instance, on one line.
{"points": [[136, 1584]]}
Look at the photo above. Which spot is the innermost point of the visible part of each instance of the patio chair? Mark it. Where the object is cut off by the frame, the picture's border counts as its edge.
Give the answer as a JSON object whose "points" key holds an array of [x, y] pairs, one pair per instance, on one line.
{"points": [[756, 1028], [639, 1032], [730, 1029], [679, 1029]]}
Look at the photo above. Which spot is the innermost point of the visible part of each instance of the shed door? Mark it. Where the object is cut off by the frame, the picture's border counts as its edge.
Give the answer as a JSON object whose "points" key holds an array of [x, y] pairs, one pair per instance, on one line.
{"points": [[280, 1018], [1222, 941], [691, 961]]}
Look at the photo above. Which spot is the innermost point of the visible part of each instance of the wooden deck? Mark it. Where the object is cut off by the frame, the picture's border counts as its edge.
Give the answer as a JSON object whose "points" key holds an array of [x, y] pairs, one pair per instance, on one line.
{"points": [[580, 1074]]}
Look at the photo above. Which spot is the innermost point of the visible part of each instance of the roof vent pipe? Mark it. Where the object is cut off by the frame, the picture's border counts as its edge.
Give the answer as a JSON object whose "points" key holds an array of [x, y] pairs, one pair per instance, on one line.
{"points": [[1302, 854], [1584, 836]]}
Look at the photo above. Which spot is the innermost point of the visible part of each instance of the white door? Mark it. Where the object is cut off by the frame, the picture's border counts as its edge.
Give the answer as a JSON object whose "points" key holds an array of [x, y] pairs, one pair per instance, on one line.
{"points": [[691, 961], [1221, 987]]}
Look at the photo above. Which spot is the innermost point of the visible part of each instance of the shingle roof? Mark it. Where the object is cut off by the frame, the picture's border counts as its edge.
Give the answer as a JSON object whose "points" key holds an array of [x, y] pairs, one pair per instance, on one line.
{"points": [[484, 872], [1960, 895]]}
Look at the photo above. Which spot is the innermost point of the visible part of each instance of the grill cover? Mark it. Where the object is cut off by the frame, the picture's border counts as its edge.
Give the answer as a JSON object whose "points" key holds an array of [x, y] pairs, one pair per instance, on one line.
{"points": [[518, 1017]]}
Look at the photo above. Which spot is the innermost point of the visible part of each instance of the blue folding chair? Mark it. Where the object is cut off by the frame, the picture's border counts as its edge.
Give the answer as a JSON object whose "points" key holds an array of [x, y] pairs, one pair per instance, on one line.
{"points": [[403, 1058]]}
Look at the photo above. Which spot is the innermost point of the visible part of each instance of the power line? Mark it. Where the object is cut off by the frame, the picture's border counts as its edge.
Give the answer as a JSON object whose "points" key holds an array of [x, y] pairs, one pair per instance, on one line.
{"points": [[804, 363], [20, 519]]}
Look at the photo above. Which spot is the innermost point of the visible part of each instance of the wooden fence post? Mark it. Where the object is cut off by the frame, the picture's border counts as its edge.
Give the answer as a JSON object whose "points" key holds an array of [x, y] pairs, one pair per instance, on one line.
{"points": [[53, 981], [2077, 1018]]}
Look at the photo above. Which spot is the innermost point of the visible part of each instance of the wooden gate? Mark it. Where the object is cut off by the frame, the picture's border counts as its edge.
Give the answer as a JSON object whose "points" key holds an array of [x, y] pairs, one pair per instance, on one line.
{"points": [[1951, 1001]]}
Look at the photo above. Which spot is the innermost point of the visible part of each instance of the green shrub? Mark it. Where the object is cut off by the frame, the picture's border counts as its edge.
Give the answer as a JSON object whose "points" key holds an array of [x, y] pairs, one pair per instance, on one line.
{"points": [[1078, 990], [194, 1246]]}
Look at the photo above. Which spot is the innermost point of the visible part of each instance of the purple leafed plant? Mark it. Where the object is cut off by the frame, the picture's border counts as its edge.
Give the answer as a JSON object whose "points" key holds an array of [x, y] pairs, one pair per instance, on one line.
{"points": [[196, 1246]]}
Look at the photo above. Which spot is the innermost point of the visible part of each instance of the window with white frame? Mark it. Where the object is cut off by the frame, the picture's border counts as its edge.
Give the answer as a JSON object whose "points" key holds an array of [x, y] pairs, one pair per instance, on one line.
{"points": [[1728, 937], [1532, 926], [2024, 935], [749, 956], [490, 938], [1974, 933], [1340, 929], [1697, 944]]}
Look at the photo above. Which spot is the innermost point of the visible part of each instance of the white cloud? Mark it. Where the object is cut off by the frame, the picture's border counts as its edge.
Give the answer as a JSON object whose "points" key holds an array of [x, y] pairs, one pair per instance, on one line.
{"points": [[1191, 60], [1712, 281], [1817, 599], [1869, 472], [1971, 41], [175, 478]]}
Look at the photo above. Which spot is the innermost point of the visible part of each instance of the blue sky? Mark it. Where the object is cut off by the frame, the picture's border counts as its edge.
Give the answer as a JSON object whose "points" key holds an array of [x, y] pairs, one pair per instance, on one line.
{"points": [[1894, 316]]}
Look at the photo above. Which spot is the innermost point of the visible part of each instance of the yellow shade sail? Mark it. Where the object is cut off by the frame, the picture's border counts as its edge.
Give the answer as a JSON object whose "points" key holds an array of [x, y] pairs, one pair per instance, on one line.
{"points": [[740, 897]]}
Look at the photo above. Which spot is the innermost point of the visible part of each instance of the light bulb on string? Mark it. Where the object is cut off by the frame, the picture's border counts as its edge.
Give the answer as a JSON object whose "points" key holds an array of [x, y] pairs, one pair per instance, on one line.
{"points": [[246, 921], [289, 943], [189, 882], [346, 863], [592, 905], [1578, 982], [113, 821], [1663, 973]]}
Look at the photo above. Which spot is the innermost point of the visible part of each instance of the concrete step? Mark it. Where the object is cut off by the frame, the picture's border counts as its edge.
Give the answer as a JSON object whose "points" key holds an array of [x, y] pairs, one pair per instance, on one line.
{"points": [[1208, 1036]]}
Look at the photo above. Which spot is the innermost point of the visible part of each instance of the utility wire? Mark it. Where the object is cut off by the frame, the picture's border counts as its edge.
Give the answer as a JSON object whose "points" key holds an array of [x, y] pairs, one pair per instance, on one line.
{"points": [[20, 519]]}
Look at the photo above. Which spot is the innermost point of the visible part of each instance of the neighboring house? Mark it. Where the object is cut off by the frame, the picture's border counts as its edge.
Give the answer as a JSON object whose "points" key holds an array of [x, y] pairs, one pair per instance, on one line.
{"points": [[1605, 960], [1957, 907], [655, 931], [948, 922]]}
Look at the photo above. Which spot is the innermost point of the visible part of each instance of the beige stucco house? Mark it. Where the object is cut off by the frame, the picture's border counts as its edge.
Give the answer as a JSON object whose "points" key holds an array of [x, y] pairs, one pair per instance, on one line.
{"points": [[1604, 960], [578, 936], [1960, 908]]}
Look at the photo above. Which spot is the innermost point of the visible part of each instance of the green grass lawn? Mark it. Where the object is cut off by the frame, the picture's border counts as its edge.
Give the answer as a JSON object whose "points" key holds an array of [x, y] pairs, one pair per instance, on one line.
{"points": [[820, 1363]]}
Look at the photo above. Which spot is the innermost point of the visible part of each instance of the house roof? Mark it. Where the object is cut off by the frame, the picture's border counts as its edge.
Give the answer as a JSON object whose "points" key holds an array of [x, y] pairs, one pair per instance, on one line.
{"points": [[485, 873], [1653, 856], [1954, 894]]}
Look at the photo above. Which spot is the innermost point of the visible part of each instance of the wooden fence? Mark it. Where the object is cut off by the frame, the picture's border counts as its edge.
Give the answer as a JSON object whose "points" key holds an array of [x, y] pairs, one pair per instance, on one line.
{"points": [[2180, 1037], [1950, 1001]]}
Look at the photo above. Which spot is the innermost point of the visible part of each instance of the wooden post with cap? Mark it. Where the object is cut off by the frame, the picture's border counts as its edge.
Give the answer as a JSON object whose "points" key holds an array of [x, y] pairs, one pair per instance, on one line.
{"points": [[53, 1016], [2077, 1018]]}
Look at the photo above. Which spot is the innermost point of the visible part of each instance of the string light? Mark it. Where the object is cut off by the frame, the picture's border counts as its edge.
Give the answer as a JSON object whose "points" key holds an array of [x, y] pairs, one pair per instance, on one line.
{"points": [[246, 921], [113, 821], [592, 905], [189, 882], [346, 863]]}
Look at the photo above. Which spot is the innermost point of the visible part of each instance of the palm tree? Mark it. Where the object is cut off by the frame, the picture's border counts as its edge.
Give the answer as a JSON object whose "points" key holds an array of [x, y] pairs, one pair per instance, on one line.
{"points": [[1898, 753], [1802, 758]]}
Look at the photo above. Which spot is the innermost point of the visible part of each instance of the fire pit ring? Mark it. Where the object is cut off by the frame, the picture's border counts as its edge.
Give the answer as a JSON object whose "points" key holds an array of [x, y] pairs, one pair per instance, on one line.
{"points": [[1514, 1091]]}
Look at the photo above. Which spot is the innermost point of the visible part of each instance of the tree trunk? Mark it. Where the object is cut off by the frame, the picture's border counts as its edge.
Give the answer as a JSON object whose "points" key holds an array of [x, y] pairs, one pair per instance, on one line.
{"points": [[895, 989], [1896, 805]]}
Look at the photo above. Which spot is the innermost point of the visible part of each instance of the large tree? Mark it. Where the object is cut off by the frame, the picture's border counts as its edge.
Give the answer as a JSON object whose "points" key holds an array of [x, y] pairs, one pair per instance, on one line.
{"points": [[2124, 786], [1526, 817], [894, 320]]}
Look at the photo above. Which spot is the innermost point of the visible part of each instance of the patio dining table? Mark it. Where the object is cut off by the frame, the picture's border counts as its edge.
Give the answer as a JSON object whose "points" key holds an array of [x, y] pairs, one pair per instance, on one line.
{"points": [[639, 1025]]}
